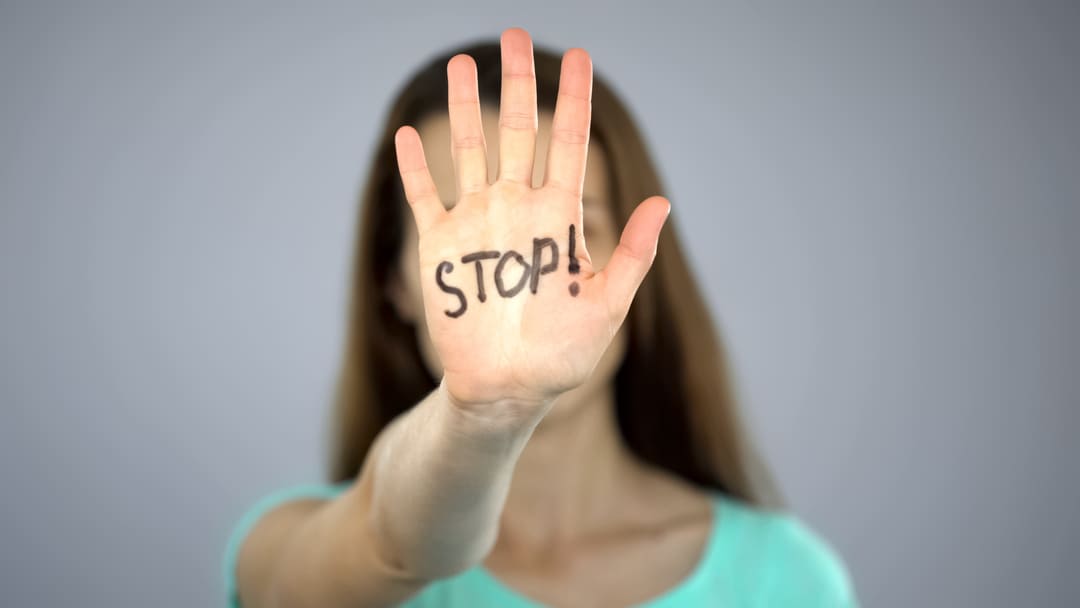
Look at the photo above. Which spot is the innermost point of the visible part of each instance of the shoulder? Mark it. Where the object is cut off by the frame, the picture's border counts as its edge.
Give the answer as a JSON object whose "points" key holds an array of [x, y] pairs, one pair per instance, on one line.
{"points": [[787, 560], [255, 512]]}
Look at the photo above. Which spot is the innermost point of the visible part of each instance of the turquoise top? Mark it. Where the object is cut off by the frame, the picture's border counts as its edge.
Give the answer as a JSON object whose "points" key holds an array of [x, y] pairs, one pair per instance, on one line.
{"points": [[753, 557]]}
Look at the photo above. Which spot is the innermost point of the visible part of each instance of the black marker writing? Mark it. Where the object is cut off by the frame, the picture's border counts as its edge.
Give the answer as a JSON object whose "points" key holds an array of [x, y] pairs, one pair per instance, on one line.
{"points": [[511, 255], [538, 254], [574, 267], [448, 267], [530, 272], [479, 257]]}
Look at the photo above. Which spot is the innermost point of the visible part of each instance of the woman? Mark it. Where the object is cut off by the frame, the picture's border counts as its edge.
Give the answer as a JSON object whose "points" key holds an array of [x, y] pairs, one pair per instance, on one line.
{"points": [[503, 438]]}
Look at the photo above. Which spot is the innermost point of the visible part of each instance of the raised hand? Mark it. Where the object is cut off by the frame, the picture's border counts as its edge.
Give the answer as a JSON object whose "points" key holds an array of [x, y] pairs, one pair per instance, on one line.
{"points": [[513, 304]]}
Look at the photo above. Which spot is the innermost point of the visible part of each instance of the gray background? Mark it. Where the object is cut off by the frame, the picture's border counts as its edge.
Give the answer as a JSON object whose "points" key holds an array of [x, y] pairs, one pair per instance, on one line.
{"points": [[881, 202]]}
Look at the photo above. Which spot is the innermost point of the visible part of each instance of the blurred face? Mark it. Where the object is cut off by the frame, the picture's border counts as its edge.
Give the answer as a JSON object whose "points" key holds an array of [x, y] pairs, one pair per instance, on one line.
{"points": [[601, 234]]}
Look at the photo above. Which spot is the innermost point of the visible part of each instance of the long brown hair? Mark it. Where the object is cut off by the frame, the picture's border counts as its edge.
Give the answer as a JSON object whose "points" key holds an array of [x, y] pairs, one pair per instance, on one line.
{"points": [[675, 401]]}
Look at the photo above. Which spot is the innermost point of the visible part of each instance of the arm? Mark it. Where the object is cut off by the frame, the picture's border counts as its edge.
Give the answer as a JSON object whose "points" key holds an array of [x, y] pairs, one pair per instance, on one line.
{"points": [[425, 506], [427, 502]]}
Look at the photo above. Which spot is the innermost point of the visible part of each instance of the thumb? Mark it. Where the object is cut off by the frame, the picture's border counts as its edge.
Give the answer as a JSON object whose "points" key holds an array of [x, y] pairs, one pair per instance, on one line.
{"points": [[634, 255]]}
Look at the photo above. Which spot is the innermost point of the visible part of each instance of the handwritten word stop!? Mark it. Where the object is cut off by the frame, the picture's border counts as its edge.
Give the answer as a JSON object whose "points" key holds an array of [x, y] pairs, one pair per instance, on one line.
{"points": [[511, 273]]}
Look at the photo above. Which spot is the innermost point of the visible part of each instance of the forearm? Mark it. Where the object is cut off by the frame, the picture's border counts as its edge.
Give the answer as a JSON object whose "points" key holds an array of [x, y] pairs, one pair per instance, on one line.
{"points": [[425, 505], [440, 479]]}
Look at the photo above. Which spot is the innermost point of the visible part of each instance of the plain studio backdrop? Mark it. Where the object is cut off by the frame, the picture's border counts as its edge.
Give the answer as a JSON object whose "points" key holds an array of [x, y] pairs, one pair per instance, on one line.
{"points": [[881, 204]]}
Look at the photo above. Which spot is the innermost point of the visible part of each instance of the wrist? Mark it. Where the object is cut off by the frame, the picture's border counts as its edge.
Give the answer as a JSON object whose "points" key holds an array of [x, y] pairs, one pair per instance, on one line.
{"points": [[509, 414]]}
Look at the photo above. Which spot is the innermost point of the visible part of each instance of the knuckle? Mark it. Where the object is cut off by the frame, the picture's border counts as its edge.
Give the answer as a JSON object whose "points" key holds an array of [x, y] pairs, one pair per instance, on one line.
{"points": [[468, 141], [570, 136], [525, 75], [518, 121], [630, 253], [423, 193], [560, 186]]}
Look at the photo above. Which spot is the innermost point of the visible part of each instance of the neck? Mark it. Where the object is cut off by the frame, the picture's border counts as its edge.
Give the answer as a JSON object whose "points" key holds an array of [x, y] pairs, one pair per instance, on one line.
{"points": [[572, 475]]}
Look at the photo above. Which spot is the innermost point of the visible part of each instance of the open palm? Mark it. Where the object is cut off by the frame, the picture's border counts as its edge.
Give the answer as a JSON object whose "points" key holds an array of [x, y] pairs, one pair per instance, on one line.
{"points": [[513, 304]]}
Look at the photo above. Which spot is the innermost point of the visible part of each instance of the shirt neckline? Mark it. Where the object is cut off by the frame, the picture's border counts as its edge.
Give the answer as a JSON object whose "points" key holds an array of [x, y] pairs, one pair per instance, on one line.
{"points": [[719, 528]]}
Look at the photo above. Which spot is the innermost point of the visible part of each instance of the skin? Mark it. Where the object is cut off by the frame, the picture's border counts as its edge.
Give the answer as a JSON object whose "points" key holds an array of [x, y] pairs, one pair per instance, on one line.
{"points": [[558, 541], [600, 233], [515, 461]]}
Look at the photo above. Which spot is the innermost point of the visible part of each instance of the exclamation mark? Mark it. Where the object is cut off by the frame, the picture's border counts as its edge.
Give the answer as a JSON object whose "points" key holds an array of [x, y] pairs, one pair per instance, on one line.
{"points": [[574, 266]]}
